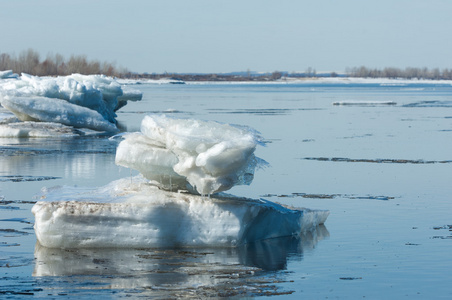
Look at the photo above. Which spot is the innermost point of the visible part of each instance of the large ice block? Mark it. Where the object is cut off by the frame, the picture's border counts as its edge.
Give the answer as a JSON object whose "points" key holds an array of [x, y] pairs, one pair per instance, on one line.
{"points": [[99, 94], [132, 213]]}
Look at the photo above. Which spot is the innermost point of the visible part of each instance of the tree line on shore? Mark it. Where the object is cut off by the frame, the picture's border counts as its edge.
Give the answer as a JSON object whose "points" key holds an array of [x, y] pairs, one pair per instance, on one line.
{"points": [[361, 72], [407, 73], [29, 62]]}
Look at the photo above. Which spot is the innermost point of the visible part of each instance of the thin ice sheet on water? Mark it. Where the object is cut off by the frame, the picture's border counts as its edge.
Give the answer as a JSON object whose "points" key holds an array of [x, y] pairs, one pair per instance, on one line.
{"points": [[364, 102], [37, 130]]}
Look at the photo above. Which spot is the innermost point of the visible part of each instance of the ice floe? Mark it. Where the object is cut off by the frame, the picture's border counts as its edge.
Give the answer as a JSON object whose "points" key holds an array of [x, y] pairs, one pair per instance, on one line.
{"points": [[179, 159], [205, 156], [132, 213], [45, 109], [82, 101]]}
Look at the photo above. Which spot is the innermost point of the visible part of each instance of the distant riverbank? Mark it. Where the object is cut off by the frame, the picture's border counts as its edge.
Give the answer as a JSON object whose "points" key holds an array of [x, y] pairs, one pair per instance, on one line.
{"points": [[286, 80]]}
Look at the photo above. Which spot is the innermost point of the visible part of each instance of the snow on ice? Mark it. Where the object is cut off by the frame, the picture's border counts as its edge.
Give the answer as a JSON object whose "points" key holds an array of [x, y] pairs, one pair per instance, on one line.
{"points": [[178, 159], [81, 101]]}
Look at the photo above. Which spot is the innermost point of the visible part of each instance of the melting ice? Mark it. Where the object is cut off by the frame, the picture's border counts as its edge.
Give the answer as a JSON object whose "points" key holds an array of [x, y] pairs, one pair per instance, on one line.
{"points": [[204, 156], [136, 214], [81, 101], [179, 159]]}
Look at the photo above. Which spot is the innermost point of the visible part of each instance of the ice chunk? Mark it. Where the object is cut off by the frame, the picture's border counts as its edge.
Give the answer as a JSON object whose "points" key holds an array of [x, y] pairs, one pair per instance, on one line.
{"points": [[131, 213], [105, 87], [97, 92], [8, 74], [213, 157], [56, 110], [153, 161], [128, 94]]}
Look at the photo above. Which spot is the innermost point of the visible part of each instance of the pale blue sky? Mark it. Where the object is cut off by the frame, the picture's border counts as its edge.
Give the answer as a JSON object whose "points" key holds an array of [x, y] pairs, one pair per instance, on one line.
{"points": [[222, 36]]}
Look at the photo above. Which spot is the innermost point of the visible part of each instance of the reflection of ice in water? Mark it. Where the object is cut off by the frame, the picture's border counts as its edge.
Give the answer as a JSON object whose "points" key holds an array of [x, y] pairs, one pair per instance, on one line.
{"points": [[66, 158], [181, 270]]}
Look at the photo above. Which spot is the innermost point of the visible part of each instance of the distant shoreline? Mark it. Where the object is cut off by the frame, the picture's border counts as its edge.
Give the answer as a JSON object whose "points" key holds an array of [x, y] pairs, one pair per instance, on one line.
{"points": [[29, 62], [266, 78], [286, 80], [309, 74]]}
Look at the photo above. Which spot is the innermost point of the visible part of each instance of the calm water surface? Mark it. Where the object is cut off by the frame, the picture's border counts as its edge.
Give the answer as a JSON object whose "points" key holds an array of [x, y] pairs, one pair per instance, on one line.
{"points": [[383, 171]]}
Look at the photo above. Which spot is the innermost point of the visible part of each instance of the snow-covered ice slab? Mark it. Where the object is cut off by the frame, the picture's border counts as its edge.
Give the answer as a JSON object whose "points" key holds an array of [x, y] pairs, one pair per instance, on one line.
{"points": [[203, 156], [132, 213]]}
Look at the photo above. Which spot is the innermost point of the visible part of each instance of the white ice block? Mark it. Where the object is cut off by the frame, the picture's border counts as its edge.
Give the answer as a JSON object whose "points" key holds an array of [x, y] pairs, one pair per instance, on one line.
{"points": [[44, 109], [99, 93], [203, 156], [131, 213]]}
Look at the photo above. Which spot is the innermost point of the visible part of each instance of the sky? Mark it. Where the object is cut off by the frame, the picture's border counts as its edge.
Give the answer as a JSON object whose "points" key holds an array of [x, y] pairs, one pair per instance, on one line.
{"points": [[208, 36]]}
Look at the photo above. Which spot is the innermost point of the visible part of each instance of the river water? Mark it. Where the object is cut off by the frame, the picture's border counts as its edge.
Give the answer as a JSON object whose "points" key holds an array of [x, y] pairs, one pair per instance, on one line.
{"points": [[383, 170]]}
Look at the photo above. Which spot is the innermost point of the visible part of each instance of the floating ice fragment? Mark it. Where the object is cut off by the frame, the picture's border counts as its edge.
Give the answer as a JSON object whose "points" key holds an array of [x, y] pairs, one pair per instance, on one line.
{"points": [[8, 74], [127, 214], [206, 156], [98, 93], [56, 110], [128, 94]]}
